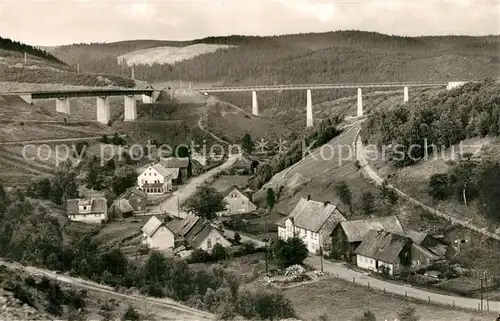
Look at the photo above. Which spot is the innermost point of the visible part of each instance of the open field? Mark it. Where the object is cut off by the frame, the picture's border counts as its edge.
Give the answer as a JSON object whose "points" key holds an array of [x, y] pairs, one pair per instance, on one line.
{"points": [[226, 181], [341, 300], [168, 54]]}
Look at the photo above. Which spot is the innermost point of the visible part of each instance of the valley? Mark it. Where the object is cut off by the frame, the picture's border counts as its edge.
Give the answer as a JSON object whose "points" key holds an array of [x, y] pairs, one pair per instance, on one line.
{"points": [[196, 234]]}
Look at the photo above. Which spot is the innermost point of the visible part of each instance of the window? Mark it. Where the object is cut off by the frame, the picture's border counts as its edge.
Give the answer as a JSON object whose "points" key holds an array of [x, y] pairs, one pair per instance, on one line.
{"points": [[209, 243], [155, 174], [85, 207]]}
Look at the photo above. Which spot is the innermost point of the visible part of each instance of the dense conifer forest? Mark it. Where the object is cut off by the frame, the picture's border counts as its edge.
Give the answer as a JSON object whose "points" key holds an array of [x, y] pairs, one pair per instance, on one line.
{"points": [[8, 44]]}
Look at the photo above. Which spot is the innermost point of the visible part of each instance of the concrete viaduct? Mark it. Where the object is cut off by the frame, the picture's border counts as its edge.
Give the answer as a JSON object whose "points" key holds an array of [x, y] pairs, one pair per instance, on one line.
{"points": [[309, 87], [62, 97]]}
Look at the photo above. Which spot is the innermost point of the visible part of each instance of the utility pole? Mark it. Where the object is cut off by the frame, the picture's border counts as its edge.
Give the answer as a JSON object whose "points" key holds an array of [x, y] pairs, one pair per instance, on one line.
{"points": [[78, 67], [486, 290], [482, 293], [267, 247], [321, 256], [25, 58], [178, 205]]}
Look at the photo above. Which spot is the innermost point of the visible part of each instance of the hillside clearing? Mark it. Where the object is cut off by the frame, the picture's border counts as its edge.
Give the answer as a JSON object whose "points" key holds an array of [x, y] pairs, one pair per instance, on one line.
{"points": [[168, 54]]}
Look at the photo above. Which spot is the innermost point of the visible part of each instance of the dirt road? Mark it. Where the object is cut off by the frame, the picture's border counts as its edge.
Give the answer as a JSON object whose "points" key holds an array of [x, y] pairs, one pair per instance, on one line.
{"points": [[171, 309], [172, 204]]}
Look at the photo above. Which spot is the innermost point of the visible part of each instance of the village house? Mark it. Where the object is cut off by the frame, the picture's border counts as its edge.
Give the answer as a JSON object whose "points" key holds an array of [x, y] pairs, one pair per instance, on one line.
{"points": [[238, 202], [90, 210], [179, 166], [196, 233], [347, 235], [132, 202], [155, 179], [313, 222], [429, 242], [381, 250], [156, 235]]}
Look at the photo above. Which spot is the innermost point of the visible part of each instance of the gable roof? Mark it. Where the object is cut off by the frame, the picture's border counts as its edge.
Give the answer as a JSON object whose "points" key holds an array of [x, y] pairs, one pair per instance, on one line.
{"points": [[175, 162], [151, 226], [234, 187], [98, 205], [416, 237], [356, 230], [182, 227], [192, 229], [158, 167], [175, 172], [312, 215], [123, 205], [162, 170], [132, 191], [382, 245], [199, 233]]}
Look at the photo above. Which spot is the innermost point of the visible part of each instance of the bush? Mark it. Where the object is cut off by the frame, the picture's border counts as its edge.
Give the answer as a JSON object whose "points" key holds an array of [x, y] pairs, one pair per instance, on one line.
{"points": [[290, 252], [219, 253], [200, 256], [264, 304]]}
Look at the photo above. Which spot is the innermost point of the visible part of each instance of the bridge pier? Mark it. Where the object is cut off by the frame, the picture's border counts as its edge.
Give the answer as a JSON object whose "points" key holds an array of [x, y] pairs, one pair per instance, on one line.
{"points": [[130, 109], [255, 104], [103, 113], [309, 110], [405, 95], [62, 105], [360, 103]]}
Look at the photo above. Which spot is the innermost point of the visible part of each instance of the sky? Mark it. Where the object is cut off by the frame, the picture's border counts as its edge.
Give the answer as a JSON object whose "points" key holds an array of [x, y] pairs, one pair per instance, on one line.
{"points": [[58, 22]]}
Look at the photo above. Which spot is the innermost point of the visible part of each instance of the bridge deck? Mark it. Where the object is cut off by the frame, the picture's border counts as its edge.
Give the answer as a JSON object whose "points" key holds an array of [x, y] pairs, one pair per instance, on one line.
{"points": [[318, 86], [82, 93]]}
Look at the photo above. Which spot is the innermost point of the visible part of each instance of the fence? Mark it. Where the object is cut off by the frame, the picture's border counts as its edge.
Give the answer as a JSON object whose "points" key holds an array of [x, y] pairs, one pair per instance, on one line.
{"points": [[431, 298]]}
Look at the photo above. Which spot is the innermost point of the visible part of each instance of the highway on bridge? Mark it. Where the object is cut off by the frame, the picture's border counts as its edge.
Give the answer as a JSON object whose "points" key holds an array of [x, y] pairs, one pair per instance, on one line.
{"points": [[317, 86], [105, 92]]}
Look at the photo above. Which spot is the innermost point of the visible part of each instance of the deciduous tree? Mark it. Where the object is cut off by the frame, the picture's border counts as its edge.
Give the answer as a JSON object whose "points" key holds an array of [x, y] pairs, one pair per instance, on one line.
{"points": [[206, 202]]}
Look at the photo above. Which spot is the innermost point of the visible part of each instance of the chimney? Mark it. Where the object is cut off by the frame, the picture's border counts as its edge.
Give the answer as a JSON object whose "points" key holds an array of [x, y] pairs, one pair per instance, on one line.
{"points": [[308, 197], [326, 203]]}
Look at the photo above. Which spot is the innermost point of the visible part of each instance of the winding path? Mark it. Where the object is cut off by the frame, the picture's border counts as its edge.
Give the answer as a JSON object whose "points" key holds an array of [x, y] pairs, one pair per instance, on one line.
{"points": [[372, 174]]}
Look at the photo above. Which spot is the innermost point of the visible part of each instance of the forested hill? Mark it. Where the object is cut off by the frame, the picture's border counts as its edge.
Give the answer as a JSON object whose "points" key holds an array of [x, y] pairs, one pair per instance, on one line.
{"points": [[8, 44], [341, 56]]}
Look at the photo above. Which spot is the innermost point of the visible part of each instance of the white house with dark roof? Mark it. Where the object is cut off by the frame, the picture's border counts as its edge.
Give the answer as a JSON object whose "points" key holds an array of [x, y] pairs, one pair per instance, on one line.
{"points": [[90, 210], [238, 202], [156, 235], [155, 179], [312, 221], [392, 251], [197, 233]]}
